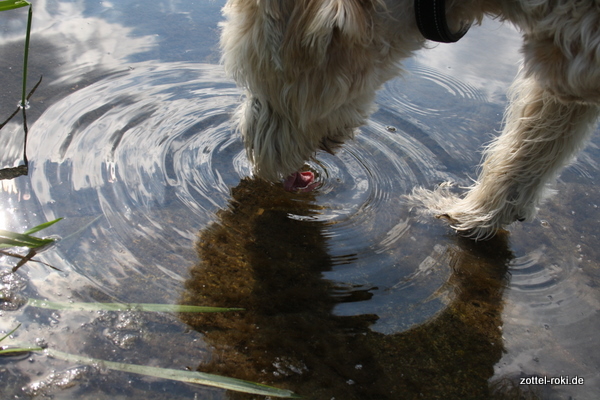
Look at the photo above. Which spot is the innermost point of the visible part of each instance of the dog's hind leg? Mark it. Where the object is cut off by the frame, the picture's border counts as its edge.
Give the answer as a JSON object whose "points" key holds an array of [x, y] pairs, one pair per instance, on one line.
{"points": [[541, 135]]}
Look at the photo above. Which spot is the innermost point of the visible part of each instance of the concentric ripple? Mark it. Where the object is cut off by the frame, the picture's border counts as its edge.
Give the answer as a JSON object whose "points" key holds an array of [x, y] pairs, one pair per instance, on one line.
{"points": [[550, 285], [141, 161], [134, 155], [439, 94]]}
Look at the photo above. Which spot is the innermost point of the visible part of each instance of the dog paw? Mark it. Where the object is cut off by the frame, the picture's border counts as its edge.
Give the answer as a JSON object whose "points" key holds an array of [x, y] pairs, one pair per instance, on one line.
{"points": [[466, 219], [473, 226]]}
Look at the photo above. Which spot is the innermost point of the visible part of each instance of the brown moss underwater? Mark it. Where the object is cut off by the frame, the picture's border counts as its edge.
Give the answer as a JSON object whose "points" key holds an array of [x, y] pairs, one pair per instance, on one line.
{"points": [[256, 257]]}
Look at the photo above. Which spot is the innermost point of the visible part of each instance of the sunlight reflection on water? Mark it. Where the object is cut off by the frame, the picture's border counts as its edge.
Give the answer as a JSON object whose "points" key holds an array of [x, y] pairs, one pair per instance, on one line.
{"points": [[149, 154], [142, 161]]}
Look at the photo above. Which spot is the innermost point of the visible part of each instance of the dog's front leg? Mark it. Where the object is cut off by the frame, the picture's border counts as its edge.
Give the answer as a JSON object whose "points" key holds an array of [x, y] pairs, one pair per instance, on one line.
{"points": [[541, 135]]}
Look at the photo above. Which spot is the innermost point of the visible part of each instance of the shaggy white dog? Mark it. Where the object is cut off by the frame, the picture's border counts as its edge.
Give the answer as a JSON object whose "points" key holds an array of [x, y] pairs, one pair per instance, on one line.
{"points": [[311, 69]]}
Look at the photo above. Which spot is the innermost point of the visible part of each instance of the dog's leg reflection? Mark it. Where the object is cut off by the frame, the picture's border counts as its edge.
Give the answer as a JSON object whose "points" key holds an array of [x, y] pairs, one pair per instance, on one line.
{"points": [[257, 257]]}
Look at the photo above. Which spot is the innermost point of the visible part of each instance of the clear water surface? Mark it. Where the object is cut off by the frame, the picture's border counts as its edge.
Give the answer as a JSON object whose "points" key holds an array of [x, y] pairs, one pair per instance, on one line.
{"points": [[348, 293]]}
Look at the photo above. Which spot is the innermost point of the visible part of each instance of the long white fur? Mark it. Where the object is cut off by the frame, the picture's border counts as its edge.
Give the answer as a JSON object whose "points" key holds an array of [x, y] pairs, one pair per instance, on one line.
{"points": [[311, 69], [541, 135]]}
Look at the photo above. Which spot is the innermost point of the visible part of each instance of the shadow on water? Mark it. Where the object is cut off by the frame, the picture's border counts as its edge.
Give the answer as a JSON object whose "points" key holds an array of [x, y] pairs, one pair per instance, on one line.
{"points": [[256, 257], [347, 294]]}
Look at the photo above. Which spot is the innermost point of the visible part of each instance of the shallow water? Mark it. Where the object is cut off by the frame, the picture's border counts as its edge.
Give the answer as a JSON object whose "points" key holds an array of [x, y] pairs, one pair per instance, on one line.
{"points": [[348, 292]]}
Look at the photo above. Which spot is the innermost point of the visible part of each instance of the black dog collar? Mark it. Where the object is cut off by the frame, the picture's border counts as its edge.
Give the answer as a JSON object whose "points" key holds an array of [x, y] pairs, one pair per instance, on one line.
{"points": [[431, 20]]}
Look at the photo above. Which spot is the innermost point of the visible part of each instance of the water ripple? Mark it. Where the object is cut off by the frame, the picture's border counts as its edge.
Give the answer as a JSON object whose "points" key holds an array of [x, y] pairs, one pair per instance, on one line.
{"points": [[139, 150], [552, 287], [145, 158], [439, 94]]}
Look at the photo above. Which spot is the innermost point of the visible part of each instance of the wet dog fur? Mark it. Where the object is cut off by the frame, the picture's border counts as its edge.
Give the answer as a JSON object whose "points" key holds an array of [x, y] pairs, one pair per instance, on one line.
{"points": [[311, 69]]}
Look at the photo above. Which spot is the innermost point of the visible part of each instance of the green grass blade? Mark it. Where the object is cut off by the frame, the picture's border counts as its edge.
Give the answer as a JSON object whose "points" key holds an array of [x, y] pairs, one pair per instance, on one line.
{"points": [[10, 333], [52, 305], [13, 239], [40, 227], [6, 5], [18, 349], [13, 351], [26, 57], [178, 375]]}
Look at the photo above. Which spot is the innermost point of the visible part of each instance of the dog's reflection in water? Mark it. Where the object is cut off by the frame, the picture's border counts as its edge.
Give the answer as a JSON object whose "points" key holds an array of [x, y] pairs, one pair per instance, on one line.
{"points": [[258, 258]]}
